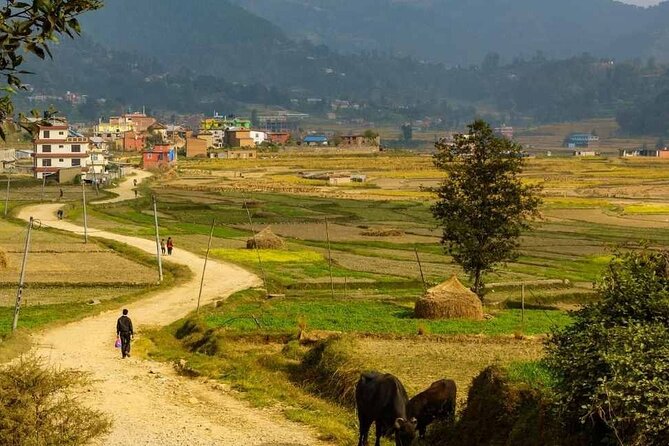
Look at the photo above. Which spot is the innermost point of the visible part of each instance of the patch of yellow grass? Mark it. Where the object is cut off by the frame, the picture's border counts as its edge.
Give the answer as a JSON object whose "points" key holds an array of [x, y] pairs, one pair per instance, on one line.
{"points": [[267, 255], [647, 209], [575, 202]]}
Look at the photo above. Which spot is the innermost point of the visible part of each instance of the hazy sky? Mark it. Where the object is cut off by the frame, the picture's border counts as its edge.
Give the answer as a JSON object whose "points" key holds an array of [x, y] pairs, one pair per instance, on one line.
{"points": [[642, 2]]}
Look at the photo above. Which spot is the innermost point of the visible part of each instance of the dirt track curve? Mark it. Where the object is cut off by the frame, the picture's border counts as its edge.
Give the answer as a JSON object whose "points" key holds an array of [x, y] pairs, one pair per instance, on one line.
{"points": [[149, 403]]}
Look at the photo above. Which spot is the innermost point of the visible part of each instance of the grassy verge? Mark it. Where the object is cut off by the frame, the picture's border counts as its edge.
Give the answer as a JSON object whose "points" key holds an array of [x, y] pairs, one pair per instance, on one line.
{"points": [[260, 371]]}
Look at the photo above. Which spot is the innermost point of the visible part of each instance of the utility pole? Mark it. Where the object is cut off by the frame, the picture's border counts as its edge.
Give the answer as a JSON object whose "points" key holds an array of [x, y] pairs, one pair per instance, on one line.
{"points": [[204, 268], [255, 240], [158, 252], [22, 277], [9, 180], [44, 175], [327, 235], [420, 267], [83, 194]]}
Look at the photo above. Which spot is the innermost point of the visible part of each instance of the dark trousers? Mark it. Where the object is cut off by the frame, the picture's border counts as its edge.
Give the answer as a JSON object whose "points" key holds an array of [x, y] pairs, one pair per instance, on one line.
{"points": [[125, 344]]}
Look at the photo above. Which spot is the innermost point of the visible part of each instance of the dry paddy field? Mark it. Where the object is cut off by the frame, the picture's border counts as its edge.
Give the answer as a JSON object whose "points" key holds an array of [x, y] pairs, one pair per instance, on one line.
{"points": [[420, 362], [63, 269]]}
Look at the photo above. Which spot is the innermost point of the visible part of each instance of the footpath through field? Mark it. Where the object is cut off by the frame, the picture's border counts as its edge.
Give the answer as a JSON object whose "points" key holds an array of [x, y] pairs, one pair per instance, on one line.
{"points": [[149, 403]]}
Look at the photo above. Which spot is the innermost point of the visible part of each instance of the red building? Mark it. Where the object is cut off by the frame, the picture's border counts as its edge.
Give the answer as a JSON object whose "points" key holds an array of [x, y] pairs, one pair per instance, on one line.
{"points": [[133, 141], [161, 156], [278, 137]]}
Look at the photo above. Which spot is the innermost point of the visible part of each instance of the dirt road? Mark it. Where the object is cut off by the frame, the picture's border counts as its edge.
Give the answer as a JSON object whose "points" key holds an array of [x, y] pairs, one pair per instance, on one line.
{"points": [[126, 190], [150, 404]]}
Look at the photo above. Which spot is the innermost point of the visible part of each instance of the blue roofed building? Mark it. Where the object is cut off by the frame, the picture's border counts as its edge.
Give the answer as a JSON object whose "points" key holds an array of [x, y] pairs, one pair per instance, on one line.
{"points": [[315, 140], [581, 140]]}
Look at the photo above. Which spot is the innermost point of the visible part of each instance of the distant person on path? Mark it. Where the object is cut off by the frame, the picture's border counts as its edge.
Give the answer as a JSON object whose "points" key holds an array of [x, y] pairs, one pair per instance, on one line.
{"points": [[60, 214], [170, 246], [60, 195], [162, 246], [134, 182], [135, 193], [125, 332]]}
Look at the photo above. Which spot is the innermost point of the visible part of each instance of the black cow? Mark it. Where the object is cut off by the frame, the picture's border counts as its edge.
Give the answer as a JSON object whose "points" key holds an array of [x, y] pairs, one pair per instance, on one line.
{"points": [[435, 403], [381, 399]]}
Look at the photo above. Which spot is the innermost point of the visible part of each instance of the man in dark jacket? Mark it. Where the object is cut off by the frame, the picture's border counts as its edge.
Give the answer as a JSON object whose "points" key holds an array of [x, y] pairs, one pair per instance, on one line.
{"points": [[125, 332]]}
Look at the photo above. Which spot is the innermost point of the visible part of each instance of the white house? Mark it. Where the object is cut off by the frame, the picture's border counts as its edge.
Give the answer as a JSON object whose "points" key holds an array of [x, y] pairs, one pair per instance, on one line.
{"points": [[56, 147], [258, 137]]}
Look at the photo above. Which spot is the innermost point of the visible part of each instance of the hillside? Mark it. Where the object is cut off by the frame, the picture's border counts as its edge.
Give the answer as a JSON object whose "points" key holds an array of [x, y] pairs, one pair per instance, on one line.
{"points": [[460, 32], [214, 55]]}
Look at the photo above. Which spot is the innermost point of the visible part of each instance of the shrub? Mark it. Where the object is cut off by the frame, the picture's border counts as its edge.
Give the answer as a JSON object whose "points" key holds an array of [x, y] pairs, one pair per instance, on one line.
{"points": [[612, 364], [37, 407], [330, 370], [500, 411]]}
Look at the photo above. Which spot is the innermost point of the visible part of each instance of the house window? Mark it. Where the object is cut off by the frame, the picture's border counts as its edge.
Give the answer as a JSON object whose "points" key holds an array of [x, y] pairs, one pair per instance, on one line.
{"points": [[76, 162], [46, 149], [76, 148], [60, 147], [47, 134], [46, 163], [61, 133], [61, 160]]}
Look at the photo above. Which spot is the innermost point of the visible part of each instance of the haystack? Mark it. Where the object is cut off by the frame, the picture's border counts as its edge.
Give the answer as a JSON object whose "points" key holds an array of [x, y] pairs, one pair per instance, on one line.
{"points": [[265, 239], [450, 300]]}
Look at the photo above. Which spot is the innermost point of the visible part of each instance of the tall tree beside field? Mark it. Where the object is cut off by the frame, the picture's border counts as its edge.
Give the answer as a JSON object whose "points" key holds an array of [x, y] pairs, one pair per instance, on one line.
{"points": [[482, 205], [29, 27]]}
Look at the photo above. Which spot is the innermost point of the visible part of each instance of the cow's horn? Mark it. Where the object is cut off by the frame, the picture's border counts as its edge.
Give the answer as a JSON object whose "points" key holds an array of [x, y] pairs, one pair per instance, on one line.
{"points": [[399, 422]]}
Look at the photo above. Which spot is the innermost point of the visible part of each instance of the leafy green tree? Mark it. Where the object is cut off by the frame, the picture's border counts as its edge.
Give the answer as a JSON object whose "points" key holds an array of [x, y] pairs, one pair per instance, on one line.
{"points": [[612, 364], [28, 27], [482, 205]]}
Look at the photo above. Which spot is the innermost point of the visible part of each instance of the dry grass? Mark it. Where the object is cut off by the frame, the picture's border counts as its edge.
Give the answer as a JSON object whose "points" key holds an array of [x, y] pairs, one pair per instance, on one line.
{"points": [[383, 232], [450, 300], [59, 295], [420, 362], [77, 268], [265, 239]]}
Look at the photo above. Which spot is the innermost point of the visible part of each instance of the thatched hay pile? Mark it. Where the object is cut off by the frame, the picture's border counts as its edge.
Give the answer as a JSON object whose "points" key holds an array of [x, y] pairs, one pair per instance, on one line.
{"points": [[450, 300], [3, 259], [265, 239]]}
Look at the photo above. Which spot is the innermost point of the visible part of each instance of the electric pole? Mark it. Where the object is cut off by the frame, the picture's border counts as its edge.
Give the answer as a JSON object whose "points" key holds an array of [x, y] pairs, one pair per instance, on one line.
{"points": [[83, 192], [158, 251], [22, 277]]}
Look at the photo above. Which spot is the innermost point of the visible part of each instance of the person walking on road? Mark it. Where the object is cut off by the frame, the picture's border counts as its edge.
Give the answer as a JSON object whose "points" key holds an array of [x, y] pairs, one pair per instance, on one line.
{"points": [[170, 246], [162, 246], [125, 332]]}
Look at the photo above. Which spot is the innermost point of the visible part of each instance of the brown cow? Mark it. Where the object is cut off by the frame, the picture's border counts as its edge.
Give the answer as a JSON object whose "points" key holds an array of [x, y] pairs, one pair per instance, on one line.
{"points": [[435, 403]]}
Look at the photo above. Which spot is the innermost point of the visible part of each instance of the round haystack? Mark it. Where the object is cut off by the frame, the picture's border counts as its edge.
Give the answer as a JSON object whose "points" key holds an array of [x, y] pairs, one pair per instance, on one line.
{"points": [[265, 239], [450, 300]]}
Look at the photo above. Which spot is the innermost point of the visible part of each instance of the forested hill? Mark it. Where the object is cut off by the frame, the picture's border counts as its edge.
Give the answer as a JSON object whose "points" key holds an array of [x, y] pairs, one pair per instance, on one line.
{"points": [[206, 55], [196, 32], [462, 32]]}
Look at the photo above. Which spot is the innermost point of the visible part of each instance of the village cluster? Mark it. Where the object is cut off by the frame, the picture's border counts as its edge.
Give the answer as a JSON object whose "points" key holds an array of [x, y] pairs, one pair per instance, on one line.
{"points": [[62, 153]]}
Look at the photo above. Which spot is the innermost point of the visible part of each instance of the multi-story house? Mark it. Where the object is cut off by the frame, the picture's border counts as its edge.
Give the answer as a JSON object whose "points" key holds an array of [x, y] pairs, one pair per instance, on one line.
{"points": [[117, 126], [57, 147]]}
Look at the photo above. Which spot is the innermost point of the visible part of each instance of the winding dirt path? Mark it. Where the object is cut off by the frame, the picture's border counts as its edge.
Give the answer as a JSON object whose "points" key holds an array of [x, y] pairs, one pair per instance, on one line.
{"points": [[149, 403]]}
